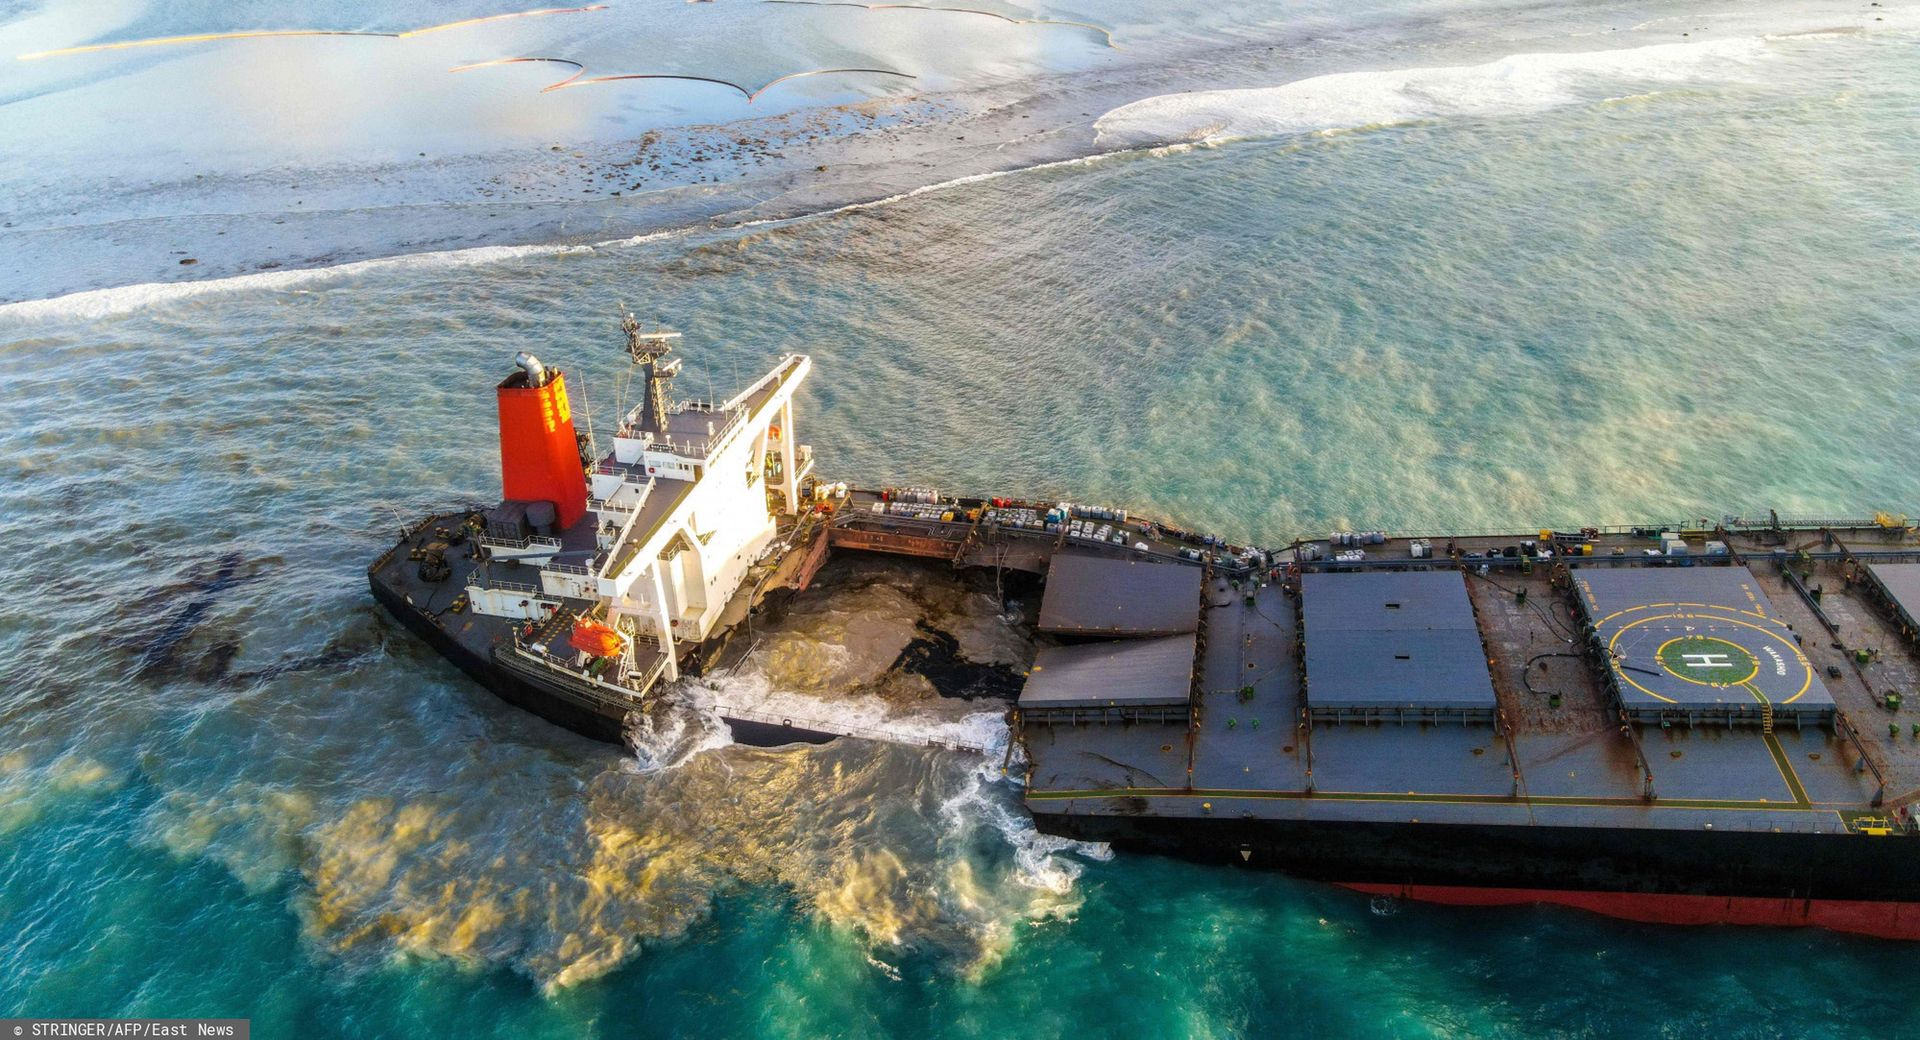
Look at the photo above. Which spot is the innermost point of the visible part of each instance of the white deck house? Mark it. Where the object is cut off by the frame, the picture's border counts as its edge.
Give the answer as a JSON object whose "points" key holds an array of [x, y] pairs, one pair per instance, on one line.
{"points": [[688, 500]]}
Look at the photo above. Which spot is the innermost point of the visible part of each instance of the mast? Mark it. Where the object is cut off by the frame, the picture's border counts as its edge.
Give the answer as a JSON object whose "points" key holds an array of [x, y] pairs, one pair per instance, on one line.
{"points": [[649, 350]]}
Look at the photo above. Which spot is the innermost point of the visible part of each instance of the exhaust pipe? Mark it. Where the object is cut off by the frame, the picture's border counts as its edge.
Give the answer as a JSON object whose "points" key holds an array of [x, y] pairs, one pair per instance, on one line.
{"points": [[536, 372]]}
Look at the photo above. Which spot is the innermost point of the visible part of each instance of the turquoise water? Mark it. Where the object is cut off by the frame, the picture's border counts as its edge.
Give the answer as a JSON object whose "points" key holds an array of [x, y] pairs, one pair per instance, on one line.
{"points": [[1683, 300]]}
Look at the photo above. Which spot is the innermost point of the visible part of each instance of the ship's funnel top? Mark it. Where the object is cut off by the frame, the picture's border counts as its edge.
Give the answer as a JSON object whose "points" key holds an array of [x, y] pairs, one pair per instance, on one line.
{"points": [[539, 451], [536, 372]]}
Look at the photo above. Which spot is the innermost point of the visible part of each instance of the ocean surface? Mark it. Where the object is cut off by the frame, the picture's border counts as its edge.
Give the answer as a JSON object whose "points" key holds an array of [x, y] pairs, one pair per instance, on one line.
{"points": [[1487, 291]]}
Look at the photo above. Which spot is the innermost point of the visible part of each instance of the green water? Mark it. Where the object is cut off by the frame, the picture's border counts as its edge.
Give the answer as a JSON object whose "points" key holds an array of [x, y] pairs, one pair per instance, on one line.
{"points": [[1694, 299]]}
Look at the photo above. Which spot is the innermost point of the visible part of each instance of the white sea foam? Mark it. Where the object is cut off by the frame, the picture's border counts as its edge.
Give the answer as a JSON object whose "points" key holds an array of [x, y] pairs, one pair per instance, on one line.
{"points": [[671, 733], [749, 690], [1037, 856], [1514, 85], [93, 304]]}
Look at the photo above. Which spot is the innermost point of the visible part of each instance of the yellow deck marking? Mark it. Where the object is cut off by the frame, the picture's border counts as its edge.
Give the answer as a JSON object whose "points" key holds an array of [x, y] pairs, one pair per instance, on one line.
{"points": [[1779, 754], [1694, 606], [1776, 636], [1569, 801]]}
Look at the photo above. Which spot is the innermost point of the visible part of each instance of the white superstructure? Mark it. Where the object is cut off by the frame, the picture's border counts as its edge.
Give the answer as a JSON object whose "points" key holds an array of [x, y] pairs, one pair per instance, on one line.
{"points": [[688, 500]]}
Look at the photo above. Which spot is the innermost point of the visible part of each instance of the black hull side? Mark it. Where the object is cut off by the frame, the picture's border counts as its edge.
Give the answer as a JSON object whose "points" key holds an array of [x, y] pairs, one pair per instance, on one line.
{"points": [[1762, 864], [604, 725], [768, 734]]}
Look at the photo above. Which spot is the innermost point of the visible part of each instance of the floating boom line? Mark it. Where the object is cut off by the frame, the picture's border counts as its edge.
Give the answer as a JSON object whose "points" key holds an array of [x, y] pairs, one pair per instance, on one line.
{"points": [[465, 22], [578, 79], [164, 41], [578, 69], [253, 34], [1105, 33]]}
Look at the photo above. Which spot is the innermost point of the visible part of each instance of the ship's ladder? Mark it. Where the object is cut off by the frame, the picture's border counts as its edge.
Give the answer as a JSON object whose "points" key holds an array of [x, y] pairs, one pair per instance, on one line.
{"points": [[973, 535], [1766, 716]]}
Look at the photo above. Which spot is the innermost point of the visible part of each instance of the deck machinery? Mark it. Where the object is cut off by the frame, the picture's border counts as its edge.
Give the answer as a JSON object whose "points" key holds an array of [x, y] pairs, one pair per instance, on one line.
{"points": [[1698, 722]]}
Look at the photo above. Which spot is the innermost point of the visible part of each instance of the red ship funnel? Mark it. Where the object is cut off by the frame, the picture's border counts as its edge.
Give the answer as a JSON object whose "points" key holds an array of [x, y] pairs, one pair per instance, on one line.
{"points": [[539, 453]]}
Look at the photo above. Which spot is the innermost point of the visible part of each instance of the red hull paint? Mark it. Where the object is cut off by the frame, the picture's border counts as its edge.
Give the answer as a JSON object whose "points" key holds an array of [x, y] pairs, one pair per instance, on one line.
{"points": [[1886, 920]]}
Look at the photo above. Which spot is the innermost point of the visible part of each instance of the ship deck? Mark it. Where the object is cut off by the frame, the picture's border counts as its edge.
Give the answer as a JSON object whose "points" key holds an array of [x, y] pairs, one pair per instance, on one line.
{"points": [[547, 646], [1796, 736]]}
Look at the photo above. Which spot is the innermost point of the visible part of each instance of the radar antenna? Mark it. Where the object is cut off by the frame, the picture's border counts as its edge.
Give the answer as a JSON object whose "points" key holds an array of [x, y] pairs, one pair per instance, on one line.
{"points": [[649, 350]]}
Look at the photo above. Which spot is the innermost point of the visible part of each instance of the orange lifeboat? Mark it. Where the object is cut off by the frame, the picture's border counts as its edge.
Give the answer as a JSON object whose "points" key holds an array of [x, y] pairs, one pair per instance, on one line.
{"points": [[596, 639]]}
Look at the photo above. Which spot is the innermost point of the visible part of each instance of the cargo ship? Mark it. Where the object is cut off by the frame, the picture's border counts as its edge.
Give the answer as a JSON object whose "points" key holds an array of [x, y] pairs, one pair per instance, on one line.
{"points": [[1690, 722]]}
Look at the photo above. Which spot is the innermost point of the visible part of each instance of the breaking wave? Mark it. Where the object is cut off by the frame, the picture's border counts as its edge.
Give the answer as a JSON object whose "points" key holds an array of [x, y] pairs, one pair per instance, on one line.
{"points": [[93, 304], [112, 301], [1513, 85]]}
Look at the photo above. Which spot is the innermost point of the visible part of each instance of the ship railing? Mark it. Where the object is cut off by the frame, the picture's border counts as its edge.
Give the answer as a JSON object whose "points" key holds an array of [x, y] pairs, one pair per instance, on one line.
{"points": [[1689, 525], [846, 730], [407, 531], [688, 448], [1166, 715], [642, 678], [485, 581], [1698, 525], [635, 477], [537, 541], [460, 517], [1804, 523], [549, 663], [700, 447], [1158, 547], [601, 505], [773, 380], [1843, 725]]}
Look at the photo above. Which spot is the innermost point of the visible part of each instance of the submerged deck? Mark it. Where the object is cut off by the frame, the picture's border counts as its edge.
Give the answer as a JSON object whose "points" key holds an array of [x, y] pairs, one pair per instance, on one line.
{"points": [[1743, 690]]}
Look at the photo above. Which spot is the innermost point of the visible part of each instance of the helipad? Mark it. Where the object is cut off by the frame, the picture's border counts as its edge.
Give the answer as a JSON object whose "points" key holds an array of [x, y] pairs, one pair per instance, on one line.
{"points": [[1696, 643]]}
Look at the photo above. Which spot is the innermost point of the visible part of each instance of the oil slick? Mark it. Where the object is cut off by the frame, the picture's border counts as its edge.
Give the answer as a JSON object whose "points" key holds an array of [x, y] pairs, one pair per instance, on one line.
{"points": [[160, 655], [164, 655]]}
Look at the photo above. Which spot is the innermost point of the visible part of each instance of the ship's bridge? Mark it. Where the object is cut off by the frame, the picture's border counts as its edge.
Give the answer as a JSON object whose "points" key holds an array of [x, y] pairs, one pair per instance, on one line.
{"points": [[681, 441], [690, 496]]}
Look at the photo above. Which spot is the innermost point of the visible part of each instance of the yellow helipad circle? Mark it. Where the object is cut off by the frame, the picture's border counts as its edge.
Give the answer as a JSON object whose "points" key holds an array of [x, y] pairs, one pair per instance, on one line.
{"points": [[1683, 616]]}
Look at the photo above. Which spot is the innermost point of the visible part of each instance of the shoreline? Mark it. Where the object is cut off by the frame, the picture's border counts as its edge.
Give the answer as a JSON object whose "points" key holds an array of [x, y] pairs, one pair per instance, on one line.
{"points": [[693, 179]]}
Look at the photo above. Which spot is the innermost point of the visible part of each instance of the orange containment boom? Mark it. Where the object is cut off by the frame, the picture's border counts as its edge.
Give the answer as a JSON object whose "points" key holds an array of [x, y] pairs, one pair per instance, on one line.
{"points": [[539, 454], [597, 639]]}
